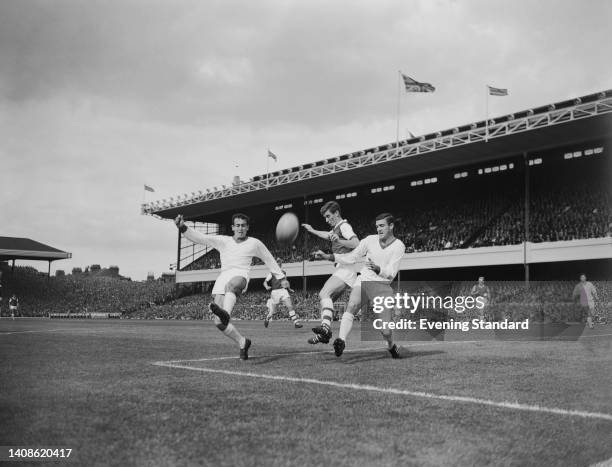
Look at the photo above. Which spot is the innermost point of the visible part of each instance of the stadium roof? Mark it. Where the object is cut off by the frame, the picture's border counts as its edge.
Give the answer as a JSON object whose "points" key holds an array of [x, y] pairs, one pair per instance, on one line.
{"points": [[564, 123], [24, 248]]}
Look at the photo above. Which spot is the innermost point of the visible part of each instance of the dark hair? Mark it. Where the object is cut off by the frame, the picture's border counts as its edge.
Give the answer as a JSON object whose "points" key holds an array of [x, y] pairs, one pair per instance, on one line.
{"points": [[387, 217], [239, 215], [331, 206]]}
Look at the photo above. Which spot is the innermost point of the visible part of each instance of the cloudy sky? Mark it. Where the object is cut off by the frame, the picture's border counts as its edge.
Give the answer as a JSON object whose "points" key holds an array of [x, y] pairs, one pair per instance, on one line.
{"points": [[99, 97]]}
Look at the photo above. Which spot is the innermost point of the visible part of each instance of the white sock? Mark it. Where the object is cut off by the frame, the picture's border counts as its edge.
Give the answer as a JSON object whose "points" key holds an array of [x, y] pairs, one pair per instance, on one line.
{"points": [[346, 324], [231, 332], [326, 318], [389, 339], [293, 316], [229, 300], [326, 303], [270, 310]]}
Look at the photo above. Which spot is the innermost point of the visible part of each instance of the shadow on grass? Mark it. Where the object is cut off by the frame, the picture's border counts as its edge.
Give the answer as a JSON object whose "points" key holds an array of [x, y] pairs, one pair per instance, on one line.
{"points": [[263, 359], [384, 355]]}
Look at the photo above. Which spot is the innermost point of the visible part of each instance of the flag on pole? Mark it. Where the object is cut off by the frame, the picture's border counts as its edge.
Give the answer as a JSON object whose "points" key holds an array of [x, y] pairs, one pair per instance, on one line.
{"points": [[414, 86], [272, 155], [148, 188], [497, 91]]}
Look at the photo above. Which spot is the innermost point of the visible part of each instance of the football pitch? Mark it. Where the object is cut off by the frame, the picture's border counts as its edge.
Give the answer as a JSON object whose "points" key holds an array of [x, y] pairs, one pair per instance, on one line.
{"points": [[166, 393]]}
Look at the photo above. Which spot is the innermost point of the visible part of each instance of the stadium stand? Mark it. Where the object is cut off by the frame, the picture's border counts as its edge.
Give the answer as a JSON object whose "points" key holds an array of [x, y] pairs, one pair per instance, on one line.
{"points": [[84, 295], [471, 207], [40, 295]]}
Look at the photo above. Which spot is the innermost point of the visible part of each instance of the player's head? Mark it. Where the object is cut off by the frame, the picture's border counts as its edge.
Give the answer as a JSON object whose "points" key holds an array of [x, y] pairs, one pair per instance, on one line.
{"points": [[331, 212], [582, 277], [481, 280], [279, 261], [240, 225], [385, 223]]}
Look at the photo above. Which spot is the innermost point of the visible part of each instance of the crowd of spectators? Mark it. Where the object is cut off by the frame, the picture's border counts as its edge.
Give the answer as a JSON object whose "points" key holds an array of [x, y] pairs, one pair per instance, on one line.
{"points": [[457, 216], [539, 301], [251, 306], [549, 301], [40, 295]]}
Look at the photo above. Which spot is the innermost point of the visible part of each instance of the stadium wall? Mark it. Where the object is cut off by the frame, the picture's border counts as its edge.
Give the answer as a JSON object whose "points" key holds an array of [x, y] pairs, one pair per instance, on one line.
{"points": [[548, 252]]}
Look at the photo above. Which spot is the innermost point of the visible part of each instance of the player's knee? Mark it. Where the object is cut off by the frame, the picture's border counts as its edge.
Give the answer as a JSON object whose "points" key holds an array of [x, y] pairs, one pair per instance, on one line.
{"points": [[220, 324]]}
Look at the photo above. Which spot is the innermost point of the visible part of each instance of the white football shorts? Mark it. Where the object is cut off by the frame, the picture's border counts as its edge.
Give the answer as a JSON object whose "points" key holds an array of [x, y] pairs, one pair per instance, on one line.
{"points": [[225, 277], [278, 294]]}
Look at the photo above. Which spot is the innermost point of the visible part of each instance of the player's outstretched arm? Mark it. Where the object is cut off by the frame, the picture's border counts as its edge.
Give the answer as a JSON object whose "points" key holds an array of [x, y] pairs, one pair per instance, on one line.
{"points": [[264, 254], [319, 233], [266, 282], [214, 241]]}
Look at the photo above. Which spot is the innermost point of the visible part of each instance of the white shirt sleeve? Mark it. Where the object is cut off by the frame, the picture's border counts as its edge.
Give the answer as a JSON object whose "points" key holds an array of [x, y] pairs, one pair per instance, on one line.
{"points": [[268, 279], [215, 241], [389, 271], [264, 254], [347, 231], [354, 256]]}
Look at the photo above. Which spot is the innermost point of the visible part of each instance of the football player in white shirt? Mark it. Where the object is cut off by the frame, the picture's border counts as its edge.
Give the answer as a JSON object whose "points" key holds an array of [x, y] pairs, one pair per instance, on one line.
{"points": [[236, 254], [343, 240], [383, 253], [279, 294]]}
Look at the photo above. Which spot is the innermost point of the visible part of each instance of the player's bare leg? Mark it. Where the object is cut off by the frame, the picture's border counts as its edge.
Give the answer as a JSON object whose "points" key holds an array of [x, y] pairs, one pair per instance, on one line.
{"points": [[292, 314], [333, 287], [387, 316], [271, 311], [222, 308]]}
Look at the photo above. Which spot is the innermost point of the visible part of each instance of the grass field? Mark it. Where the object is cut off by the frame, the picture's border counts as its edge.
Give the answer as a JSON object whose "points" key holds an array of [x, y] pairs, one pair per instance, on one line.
{"points": [[174, 393]]}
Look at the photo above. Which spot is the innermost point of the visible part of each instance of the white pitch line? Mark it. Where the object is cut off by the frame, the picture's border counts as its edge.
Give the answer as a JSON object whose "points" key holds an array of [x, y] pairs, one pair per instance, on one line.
{"points": [[401, 392], [288, 354], [231, 357], [596, 335], [407, 346], [24, 332], [606, 463]]}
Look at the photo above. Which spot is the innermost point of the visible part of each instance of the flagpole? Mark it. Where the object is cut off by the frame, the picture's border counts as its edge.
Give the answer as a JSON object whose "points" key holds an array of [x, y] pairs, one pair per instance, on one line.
{"points": [[487, 112], [268, 169], [399, 78]]}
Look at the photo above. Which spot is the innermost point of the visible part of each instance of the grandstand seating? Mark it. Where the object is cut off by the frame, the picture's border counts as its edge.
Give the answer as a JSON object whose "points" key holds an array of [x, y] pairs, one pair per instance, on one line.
{"points": [[476, 211]]}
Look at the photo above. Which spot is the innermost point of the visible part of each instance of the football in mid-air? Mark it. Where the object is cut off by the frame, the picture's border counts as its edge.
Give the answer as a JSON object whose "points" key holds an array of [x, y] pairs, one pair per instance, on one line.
{"points": [[287, 228]]}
